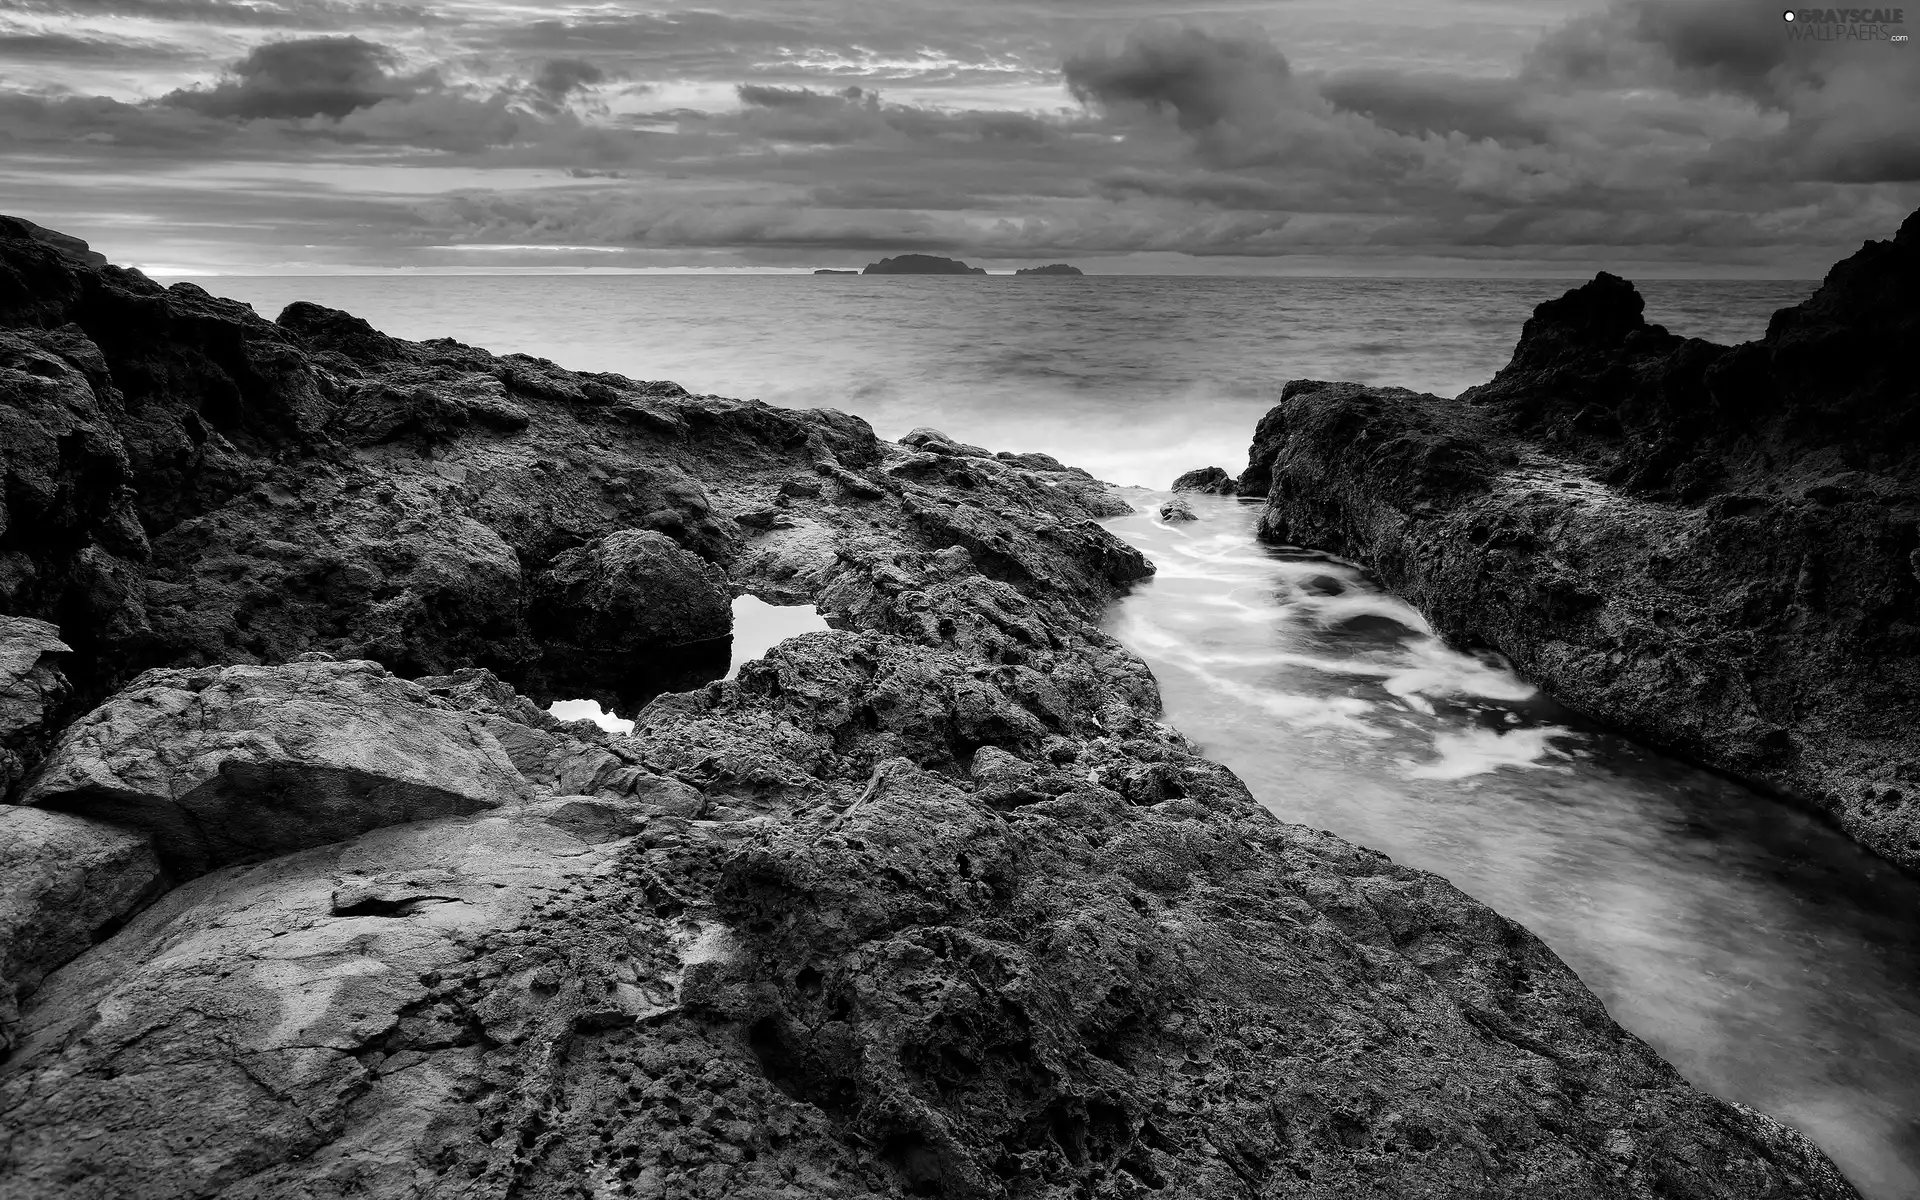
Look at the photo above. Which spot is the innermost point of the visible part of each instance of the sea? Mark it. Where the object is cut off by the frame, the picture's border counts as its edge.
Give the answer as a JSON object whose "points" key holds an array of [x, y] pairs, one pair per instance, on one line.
{"points": [[1764, 955]]}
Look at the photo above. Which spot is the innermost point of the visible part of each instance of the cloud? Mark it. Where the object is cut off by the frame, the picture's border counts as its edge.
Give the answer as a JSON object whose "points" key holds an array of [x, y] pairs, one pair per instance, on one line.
{"points": [[298, 14], [66, 47], [1499, 109], [1850, 107], [1203, 78], [785, 127], [310, 77], [561, 77]]}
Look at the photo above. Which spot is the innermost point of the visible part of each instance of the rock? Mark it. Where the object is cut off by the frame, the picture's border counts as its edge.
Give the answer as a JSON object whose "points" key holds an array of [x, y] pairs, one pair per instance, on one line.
{"points": [[236, 764], [1177, 509], [65, 244], [1707, 548], [932, 441], [921, 264], [1211, 480], [831, 271], [33, 695], [1051, 269], [629, 616], [928, 903], [66, 883]]}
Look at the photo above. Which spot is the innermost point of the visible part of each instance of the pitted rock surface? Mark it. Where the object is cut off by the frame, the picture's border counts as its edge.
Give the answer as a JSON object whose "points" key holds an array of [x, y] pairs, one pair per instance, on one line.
{"points": [[930, 904]]}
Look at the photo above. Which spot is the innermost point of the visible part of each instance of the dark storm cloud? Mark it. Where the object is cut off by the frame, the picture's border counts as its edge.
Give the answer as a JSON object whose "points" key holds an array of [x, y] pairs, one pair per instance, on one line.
{"points": [[561, 77], [1202, 78], [312, 77], [764, 96], [291, 98], [1851, 107], [1417, 104]]}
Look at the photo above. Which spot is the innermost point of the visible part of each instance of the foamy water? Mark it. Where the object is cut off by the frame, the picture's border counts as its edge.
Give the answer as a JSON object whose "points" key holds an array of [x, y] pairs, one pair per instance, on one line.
{"points": [[1763, 954]]}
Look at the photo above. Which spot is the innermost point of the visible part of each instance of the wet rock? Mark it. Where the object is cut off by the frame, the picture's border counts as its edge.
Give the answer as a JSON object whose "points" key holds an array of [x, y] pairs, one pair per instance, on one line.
{"points": [[66, 883], [1212, 480], [1706, 547], [236, 764], [1178, 510], [634, 611], [929, 903], [33, 695]]}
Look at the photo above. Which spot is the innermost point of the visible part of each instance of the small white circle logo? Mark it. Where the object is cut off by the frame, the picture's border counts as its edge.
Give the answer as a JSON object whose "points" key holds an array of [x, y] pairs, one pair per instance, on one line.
{"points": [[1788, 15]]}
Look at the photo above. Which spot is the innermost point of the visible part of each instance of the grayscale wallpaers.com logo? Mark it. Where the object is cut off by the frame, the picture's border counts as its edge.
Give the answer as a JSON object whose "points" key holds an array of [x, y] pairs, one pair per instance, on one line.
{"points": [[1846, 24]]}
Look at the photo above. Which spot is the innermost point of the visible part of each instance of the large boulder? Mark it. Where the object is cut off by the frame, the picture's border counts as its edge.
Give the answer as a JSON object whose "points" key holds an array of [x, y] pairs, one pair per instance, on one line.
{"points": [[66, 883], [236, 764], [33, 693], [629, 616]]}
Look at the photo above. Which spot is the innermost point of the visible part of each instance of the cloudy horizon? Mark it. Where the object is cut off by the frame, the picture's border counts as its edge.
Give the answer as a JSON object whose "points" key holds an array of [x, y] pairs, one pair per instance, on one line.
{"points": [[1245, 136]]}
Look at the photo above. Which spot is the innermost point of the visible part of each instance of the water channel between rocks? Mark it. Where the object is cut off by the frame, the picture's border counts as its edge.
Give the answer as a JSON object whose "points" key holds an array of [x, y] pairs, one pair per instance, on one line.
{"points": [[1768, 958]]}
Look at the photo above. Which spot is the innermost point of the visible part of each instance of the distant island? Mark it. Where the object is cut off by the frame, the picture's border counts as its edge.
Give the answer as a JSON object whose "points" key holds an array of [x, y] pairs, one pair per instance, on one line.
{"points": [[1051, 269], [831, 271], [921, 264]]}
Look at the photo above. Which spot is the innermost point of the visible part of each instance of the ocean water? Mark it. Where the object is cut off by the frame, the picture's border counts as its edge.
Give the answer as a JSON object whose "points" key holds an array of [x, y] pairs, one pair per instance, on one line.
{"points": [[1765, 956], [1133, 378]]}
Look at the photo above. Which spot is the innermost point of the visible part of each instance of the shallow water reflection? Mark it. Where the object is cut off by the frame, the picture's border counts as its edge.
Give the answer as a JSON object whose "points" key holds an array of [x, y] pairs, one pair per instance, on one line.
{"points": [[1769, 959], [757, 628]]}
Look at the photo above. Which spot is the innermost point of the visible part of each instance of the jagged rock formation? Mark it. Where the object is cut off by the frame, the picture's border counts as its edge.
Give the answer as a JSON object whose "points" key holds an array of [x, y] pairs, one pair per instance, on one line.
{"points": [[1716, 550], [921, 264], [1051, 269], [930, 904]]}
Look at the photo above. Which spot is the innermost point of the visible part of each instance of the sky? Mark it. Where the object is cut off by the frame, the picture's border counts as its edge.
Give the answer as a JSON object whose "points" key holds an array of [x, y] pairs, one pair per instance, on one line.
{"points": [[1673, 137]]}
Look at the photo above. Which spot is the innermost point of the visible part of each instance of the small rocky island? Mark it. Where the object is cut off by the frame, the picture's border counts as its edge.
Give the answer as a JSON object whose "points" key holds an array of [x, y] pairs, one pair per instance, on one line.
{"points": [[921, 264], [1710, 548], [1051, 269], [834, 271], [304, 893]]}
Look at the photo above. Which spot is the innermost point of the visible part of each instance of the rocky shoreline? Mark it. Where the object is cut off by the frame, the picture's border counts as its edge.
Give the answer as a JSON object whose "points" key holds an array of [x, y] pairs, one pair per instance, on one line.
{"points": [[302, 893], [1715, 550]]}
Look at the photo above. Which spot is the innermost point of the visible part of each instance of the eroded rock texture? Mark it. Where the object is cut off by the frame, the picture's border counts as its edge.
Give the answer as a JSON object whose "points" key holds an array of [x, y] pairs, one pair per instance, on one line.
{"points": [[1716, 550], [930, 904]]}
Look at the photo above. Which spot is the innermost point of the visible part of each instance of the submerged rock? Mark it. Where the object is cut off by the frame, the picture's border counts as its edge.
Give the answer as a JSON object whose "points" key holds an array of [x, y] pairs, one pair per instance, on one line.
{"points": [[1708, 548], [931, 903], [1177, 509]]}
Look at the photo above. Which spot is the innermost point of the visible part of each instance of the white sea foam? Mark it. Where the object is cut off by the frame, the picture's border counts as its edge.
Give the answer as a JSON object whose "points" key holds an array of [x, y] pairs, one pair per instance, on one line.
{"points": [[1460, 753]]}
